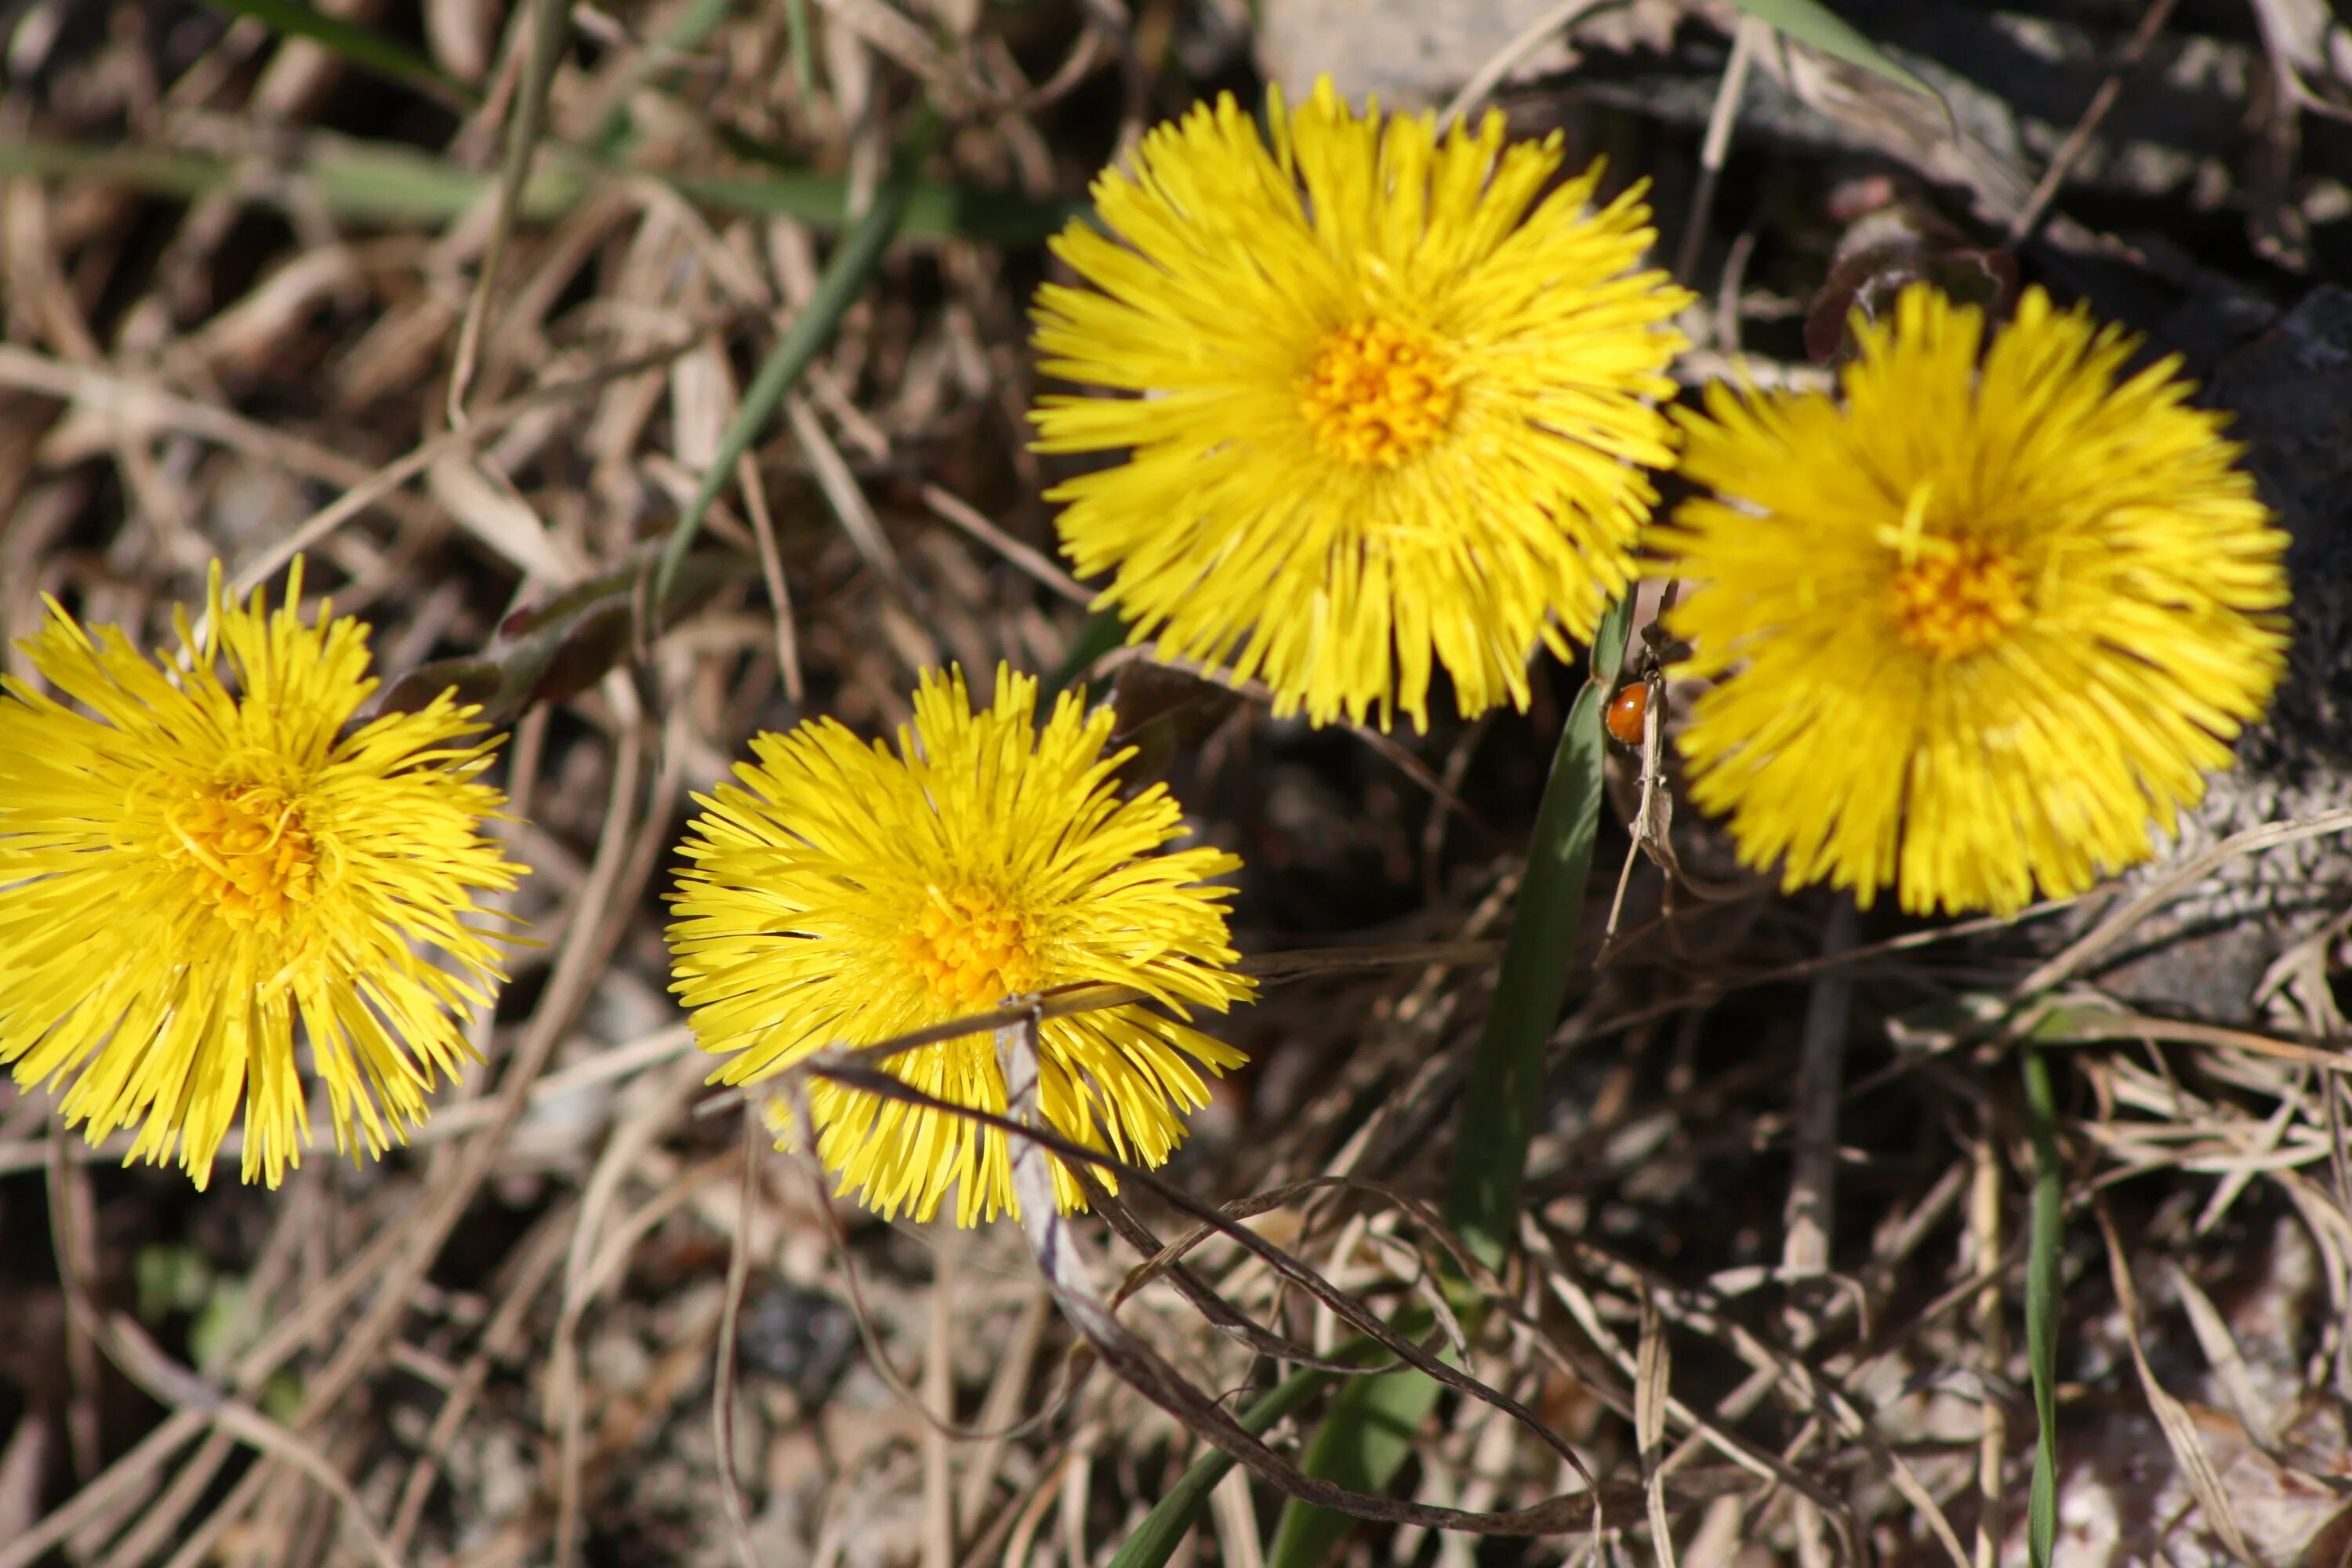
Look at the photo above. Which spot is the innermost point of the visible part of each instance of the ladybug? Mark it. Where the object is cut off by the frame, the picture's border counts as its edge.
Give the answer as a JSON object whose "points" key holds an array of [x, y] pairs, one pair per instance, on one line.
{"points": [[1626, 712]]}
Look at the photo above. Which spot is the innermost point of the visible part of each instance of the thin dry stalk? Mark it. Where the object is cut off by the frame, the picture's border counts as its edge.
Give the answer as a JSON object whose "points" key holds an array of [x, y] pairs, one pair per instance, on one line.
{"points": [[999, 1408], [1751, 33], [939, 1403], [1505, 60], [2180, 1428], [722, 1394], [2070, 152], [1653, 1370], [1821, 1075], [1992, 1342], [2114, 927]]}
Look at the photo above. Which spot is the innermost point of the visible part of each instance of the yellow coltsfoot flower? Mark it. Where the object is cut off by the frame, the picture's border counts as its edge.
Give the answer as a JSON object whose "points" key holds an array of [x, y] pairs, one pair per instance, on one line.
{"points": [[841, 894], [1981, 628], [1389, 401], [204, 856]]}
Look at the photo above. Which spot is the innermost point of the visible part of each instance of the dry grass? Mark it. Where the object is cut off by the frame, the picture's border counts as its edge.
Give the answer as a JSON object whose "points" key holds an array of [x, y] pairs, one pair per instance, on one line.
{"points": [[1772, 1300]]}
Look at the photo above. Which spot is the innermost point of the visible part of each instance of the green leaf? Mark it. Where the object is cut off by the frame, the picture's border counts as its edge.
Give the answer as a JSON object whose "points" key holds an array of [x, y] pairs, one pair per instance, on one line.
{"points": [[168, 1279], [363, 46], [281, 1397], [1155, 1538], [1364, 1441], [550, 651], [1505, 1088], [842, 280], [2045, 1240], [222, 1328], [1811, 22], [1366, 1438]]}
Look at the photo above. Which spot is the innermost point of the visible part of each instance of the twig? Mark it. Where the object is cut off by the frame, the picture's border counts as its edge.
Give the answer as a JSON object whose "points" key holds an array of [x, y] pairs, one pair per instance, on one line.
{"points": [[1035, 563], [722, 1382], [1812, 1182], [576, 970], [541, 1254], [1505, 60], [1810, 1214], [2178, 1427], [1653, 1375], [137, 402], [939, 1529], [583, 1278], [1088, 996], [616, 1062], [2061, 163], [772, 569], [841, 493], [1031, 1145], [174, 1386], [1993, 1339], [548, 21], [2112, 929], [1745, 38], [372, 489]]}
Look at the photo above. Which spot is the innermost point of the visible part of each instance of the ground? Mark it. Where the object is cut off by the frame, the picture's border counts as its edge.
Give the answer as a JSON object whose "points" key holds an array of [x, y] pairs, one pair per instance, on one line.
{"points": [[263, 291]]}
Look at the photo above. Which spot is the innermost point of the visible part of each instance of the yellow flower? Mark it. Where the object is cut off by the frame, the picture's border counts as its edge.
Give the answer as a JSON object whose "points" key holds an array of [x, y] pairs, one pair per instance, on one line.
{"points": [[205, 855], [1389, 401], [1979, 629], [844, 895]]}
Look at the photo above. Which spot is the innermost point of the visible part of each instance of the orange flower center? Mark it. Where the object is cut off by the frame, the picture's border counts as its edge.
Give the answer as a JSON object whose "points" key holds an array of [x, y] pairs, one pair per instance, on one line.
{"points": [[250, 850], [1959, 602], [1378, 393], [971, 948]]}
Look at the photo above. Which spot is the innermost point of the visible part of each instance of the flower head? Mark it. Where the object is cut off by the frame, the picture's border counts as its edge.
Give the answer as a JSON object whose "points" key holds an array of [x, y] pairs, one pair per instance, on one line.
{"points": [[1980, 626], [1388, 401], [200, 855], [844, 894]]}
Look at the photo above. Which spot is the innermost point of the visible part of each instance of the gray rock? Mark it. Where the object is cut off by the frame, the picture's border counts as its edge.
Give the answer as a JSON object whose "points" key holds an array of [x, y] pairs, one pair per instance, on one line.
{"points": [[1410, 56], [2291, 388]]}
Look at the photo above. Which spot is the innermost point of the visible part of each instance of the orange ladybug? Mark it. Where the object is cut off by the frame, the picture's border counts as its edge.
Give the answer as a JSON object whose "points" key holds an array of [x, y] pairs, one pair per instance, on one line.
{"points": [[1626, 712]]}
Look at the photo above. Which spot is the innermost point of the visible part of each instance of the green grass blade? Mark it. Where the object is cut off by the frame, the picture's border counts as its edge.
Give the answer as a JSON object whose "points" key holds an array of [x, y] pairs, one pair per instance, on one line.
{"points": [[368, 181], [796, 41], [1368, 1436], [2045, 1240], [1155, 1538], [363, 46], [1506, 1087], [682, 37], [935, 209], [1364, 1441], [842, 280], [381, 182], [1811, 22], [157, 172]]}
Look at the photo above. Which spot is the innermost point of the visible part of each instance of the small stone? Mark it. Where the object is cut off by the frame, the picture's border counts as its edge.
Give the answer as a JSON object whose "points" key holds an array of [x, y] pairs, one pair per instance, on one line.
{"points": [[1412, 56], [802, 1339]]}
